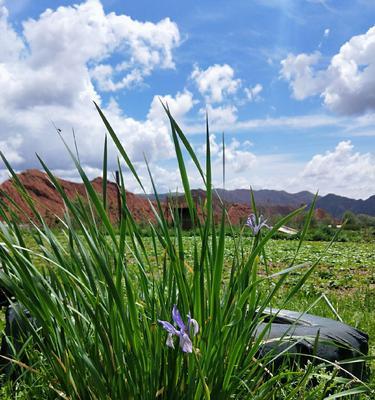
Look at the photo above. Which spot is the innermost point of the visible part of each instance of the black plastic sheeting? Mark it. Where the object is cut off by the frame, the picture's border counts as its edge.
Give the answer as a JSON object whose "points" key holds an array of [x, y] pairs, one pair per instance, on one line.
{"points": [[294, 337], [17, 330], [286, 337]]}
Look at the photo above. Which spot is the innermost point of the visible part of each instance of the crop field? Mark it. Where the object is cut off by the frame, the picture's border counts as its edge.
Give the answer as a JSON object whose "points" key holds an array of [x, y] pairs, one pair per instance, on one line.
{"points": [[344, 275], [344, 268], [342, 284]]}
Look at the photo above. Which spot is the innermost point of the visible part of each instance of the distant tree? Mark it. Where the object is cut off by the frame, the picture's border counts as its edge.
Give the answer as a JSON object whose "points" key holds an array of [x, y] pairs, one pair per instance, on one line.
{"points": [[300, 220], [351, 220], [366, 220]]}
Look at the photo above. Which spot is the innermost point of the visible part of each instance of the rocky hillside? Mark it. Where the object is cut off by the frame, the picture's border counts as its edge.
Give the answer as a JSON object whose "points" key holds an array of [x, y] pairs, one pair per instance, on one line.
{"points": [[50, 204], [271, 203]]}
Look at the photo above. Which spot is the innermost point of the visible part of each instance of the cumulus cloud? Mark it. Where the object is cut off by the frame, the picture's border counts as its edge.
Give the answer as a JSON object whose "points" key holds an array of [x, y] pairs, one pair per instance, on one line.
{"points": [[342, 171], [220, 117], [244, 168], [347, 85], [303, 80], [216, 82], [55, 67], [10, 45], [179, 105], [73, 36], [10, 148], [253, 93], [102, 74], [238, 160]]}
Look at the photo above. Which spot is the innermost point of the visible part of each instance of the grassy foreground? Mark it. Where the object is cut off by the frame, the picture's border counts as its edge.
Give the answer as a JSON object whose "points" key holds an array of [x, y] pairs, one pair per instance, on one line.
{"points": [[101, 298]]}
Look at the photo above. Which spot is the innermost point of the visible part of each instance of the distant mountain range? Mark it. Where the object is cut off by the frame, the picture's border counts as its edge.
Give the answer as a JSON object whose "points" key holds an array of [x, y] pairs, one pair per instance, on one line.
{"points": [[271, 202], [331, 203], [266, 197], [337, 205]]}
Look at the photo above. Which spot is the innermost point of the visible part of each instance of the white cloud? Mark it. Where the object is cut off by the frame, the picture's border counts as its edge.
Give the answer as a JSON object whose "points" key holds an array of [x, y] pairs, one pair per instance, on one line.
{"points": [[10, 148], [167, 179], [245, 169], [253, 93], [326, 32], [4, 175], [215, 148], [73, 36], [347, 85], [216, 82], [179, 106], [293, 123], [341, 171], [72, 175], [102, 74], [10, 44], [237, 159], [298, 71], [221, 116], [47, 73]]}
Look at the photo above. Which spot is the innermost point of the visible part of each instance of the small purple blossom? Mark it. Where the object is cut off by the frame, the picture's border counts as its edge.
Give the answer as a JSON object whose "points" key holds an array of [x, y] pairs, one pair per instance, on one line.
{"points": [[185, 333], [254, 226]]}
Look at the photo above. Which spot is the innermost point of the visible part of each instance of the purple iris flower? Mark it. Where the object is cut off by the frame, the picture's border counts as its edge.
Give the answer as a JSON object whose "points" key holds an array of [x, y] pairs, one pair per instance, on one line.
{"points": [[185, 333], [254, 226]]}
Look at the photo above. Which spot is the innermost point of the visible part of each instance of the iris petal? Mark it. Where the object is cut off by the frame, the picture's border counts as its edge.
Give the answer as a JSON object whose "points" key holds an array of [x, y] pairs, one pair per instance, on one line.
{"points": [[168, 327], [169, 341], [195, 325], [185, 343], [177, 318], [192, 328], [254, 226]]}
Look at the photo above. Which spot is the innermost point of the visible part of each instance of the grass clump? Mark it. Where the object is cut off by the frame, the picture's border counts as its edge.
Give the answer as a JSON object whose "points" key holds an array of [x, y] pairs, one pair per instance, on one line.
{"points": [[95, 332]]}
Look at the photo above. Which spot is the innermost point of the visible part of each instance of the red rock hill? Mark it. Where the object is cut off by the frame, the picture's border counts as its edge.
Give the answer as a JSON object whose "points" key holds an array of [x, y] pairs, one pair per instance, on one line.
{"points": [[50, 204]]}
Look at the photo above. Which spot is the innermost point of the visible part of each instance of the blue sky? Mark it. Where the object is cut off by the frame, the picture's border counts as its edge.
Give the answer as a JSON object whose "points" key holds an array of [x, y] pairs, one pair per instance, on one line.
{"points": [[291, 83]]}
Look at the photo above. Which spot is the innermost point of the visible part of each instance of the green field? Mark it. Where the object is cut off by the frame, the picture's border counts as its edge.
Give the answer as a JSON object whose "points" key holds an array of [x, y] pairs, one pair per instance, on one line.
{"points": [[345, 268], [345, 275]]}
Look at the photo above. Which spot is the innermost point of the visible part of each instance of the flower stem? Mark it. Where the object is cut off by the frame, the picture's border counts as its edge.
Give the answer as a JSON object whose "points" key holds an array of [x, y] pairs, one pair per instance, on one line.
{"points": [[207, 395]]}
